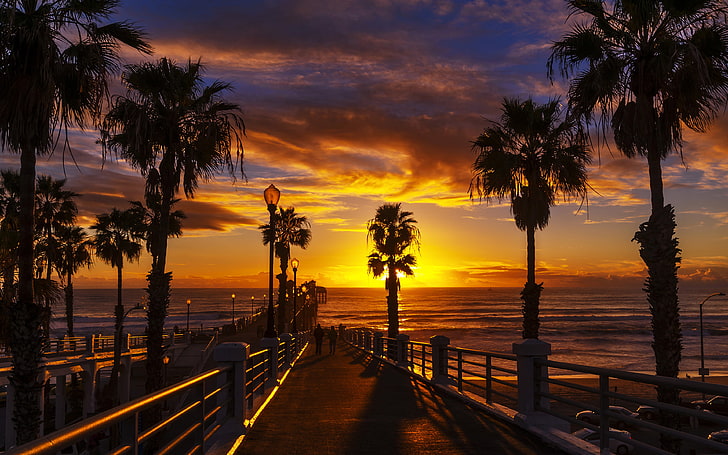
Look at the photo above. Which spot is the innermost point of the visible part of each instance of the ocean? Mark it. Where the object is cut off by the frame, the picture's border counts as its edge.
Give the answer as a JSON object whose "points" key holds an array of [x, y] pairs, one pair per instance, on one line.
{"points": [[600, 327]]}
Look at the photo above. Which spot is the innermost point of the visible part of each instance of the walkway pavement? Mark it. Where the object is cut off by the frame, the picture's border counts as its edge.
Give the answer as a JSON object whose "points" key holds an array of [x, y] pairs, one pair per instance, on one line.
{"points": [[349, 403]]}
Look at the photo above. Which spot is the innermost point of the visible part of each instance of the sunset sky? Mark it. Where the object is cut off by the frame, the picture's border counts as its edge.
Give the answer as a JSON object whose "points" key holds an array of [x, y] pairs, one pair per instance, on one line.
{"points": [[352, 103]]}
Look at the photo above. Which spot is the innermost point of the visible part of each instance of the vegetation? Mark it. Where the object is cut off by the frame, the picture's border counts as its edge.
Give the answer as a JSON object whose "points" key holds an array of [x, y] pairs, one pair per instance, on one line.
{"points": [[393, 232], [118, 237], [55, 58], [648, 69], [72, 251], [529, 158], [291, 229], [175, 131]]}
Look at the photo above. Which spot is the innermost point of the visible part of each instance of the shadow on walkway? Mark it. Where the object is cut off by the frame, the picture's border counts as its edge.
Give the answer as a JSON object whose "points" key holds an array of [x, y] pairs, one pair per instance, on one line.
{"points": [[350, 403]]}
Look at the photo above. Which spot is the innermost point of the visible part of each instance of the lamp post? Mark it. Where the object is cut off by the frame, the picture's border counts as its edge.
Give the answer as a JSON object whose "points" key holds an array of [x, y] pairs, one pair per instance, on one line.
{"points": [[271, 196], [233, 317], [188, 314], [252, 307], [703, 372], [294, 266]]}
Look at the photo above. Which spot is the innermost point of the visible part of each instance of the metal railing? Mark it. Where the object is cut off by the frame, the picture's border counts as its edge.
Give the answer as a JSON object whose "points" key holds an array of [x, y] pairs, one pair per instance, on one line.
{"points": [[523, 384], [192, 411]]}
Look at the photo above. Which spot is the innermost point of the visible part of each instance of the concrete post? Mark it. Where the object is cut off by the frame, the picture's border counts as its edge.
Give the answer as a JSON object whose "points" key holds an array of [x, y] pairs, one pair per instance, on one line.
{"points": [[439, 345], [378, 344], [368, 341], [90, 342], [89, 388], [271, 345], [526, 352], [60, 401], [287, 340], [402, 343], [237, 354], [125, 379]]}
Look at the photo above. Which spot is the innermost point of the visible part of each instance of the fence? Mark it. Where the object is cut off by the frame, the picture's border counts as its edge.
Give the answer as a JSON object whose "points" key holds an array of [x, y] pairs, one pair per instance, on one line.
{"points": [[185, 417], [526, 386]]}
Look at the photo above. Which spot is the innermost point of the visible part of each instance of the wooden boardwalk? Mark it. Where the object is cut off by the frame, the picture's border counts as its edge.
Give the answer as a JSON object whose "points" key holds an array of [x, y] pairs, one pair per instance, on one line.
{"points": [[349, 403]]}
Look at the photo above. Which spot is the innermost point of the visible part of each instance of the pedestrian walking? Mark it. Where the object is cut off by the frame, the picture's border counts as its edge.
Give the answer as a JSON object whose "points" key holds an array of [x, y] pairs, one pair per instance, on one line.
{"points": [[318, 334], [332, 340]]}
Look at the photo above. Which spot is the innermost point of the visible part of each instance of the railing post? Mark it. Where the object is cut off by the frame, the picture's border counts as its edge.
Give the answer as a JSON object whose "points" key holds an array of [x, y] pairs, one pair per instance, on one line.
{"points": [[368, 341], [287, 340], [402, 342], [271, 346], [439, 358], [236, 354], [378, 344], [90, 342], [530, 382]]}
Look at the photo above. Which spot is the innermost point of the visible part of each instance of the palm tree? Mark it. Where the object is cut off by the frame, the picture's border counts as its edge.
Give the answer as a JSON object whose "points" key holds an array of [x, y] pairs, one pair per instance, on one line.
{"points": [[73, 251], [118, 237], [55, 208], [55, 59], [529, 158], [291, 229], [648, 68], [174, 130], [9, 225], [393, 233]]}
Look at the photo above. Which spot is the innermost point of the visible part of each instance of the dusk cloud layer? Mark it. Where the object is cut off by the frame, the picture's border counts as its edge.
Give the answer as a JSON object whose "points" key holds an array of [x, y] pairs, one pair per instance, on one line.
{"points": [[351, 103]]}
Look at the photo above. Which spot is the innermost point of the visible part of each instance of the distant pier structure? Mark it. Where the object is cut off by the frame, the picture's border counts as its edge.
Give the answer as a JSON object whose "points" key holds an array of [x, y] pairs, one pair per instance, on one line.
{"points": [[320, 295]]}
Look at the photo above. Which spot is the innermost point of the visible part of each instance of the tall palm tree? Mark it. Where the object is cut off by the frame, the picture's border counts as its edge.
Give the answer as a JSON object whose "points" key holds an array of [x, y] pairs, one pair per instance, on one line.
{"points": [[393, 232], [55, 59], [648, 68], [175, 131], [55, 208], [118, 237], [291, 229], [529, 158], [9, 225], [73, 251]]}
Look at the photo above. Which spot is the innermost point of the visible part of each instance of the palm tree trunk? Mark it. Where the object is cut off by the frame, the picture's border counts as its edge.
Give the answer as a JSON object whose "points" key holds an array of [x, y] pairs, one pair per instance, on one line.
{"points": [[25, 323], [392, 304], [118, 332], [531, 293], [69, 305]]}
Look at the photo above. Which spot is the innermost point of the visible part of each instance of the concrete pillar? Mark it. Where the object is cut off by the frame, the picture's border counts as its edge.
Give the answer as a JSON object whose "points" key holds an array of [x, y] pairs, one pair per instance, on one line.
{"points": [[378, 344], [402, 344], [526, 352], [89, 387], [271, 345], [236, 354], [439, 345], [125, 379], [90, 343], [60, 401]]}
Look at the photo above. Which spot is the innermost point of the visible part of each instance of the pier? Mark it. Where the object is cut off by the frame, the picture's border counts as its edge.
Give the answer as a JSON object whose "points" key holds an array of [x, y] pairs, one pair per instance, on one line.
{"points": [[384, 395]]}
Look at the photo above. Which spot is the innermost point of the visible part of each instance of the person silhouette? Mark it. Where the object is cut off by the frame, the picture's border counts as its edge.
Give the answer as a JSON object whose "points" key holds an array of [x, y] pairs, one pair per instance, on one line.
{"points": [[318, 334], [332, 340]]}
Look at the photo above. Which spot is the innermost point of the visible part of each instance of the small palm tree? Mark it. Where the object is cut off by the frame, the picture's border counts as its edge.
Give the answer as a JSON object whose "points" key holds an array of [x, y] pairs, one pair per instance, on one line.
{"points": [[648, 69], [393, 233], [73, 251], [529, 158], [55, 60], [55, 209], [291, 229], [175, 131], [118, 237]]}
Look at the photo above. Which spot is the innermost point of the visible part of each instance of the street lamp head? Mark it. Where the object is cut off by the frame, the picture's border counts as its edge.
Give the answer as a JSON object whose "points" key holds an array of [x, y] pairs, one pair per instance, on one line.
{"points": [[188, 302], [294, 264], [233, 296], [271, 195]]}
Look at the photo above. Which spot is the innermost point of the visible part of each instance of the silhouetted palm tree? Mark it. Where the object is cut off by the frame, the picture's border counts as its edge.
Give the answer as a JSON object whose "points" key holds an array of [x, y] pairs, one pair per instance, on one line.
{"points": [[529, 158], [55, 58], [393, 233], [118, 237], [73, 251], [175, 131], [648, 68], [9, 225], [55, 208], [292, 229]]}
